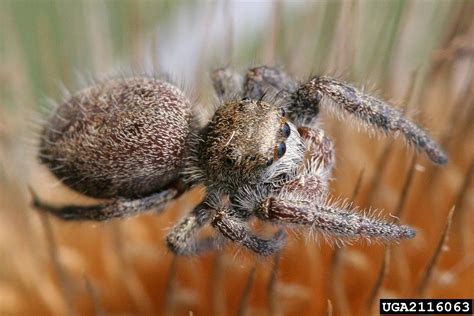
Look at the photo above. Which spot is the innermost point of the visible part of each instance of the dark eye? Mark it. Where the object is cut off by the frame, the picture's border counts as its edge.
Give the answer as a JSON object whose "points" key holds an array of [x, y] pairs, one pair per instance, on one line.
{"points": [[270, 162], [286, 130], [318, 97], [282, 112], [281, 150], [246, 99], [229, 162]]}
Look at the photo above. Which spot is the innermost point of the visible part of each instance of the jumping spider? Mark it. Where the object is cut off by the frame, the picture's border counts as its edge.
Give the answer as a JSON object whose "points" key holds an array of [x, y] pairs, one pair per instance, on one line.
{"points": [[134, 141]]}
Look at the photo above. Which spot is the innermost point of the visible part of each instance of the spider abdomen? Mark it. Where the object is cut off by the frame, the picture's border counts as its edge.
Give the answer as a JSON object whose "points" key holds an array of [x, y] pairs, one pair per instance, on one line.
{"points": [[121, 137]]}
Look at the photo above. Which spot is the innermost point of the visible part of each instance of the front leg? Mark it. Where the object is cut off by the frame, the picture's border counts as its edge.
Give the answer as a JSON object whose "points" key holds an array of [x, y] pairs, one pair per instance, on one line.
{"points": [[117, 208], [330, 219], [301, 201], [371, 112]]}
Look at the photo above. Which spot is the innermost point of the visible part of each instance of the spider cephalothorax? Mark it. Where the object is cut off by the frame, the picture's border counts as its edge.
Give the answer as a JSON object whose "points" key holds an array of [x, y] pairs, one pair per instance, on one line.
{"points": [[261, 156], [244, 140]]}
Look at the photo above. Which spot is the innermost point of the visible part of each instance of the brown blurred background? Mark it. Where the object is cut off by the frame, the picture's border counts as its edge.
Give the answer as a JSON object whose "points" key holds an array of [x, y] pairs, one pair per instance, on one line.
{"points": [[418, 54]]}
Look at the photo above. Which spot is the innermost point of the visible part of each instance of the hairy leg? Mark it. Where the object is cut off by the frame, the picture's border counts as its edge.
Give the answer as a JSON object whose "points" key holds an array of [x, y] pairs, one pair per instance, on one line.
{"points": [[182, 238], [236, 230], [330, 219], [261, 80], [117, 208], [302, 201], [324, 91], [227, 84], [264, 79]]}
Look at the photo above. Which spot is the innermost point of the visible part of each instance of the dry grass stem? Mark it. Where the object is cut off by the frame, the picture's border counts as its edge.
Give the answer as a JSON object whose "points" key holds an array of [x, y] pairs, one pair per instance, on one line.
{"points": [[406, 187], [98, 308], [168, 306], [374, 294], [428, 272], [272, 287], [244, 300], [218, 302], [64, 282]]}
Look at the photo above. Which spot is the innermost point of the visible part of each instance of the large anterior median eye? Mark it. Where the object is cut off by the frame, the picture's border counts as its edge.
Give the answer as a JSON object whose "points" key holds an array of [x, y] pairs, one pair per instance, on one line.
{"points": [[281, 150]]}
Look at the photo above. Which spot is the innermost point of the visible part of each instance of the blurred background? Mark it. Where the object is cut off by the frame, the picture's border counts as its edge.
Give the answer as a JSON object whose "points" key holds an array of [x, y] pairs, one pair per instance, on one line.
{"points": [[417, 54]]}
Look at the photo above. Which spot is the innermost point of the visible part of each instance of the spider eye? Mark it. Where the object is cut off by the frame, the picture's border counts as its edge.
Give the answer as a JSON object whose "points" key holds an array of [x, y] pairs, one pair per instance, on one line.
{"points": [[282, 112], [286, 130], [245, 99], [229, 162], [281, 150], [270, 162]]}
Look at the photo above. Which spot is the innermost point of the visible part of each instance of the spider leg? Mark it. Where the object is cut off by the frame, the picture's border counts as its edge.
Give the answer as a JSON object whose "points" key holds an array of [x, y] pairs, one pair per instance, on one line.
{"points": [[120, 207], [339, 96], [227, 83], [236, 230], [181, 240], [263, 79], [330, 219], [302, 200]]}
